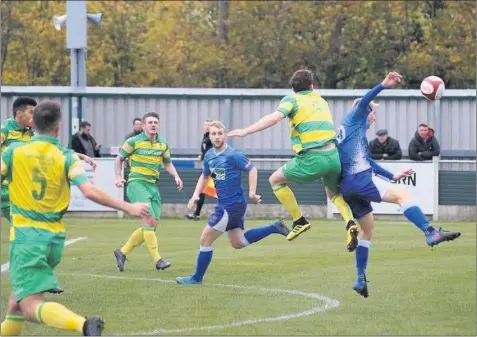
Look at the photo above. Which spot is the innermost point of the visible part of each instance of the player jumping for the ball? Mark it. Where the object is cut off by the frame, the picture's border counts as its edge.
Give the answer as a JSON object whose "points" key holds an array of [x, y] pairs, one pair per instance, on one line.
{"points": [[313, 137], [362, 181], [226, 165]]}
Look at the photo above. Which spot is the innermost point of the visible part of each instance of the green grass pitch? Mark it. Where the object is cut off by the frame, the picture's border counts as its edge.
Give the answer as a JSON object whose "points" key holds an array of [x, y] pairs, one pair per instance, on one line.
{"points": [[414, 289]]}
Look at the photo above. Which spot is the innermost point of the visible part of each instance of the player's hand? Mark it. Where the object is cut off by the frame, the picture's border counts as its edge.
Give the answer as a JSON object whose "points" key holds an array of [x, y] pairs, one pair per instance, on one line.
{"points": [[179, 183], [199, 158], [119, 182], [237, 133], [391, 80], [138, 209], [90, 162], [405, 173], [255, 198], [192, 201]]}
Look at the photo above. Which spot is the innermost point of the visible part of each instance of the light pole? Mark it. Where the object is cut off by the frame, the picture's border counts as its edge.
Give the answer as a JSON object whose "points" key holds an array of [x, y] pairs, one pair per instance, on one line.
{"points": [[76, 40]]}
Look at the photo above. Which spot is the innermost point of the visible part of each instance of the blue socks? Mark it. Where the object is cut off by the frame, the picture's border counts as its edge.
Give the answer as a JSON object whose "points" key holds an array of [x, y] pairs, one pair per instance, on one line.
{"points": [[414, 214], [250, 236], [362, 253], [258, 233], [203, 261]]}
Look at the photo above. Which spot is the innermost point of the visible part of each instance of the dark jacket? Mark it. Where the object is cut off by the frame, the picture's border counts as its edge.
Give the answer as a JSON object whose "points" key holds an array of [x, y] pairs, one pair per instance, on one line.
{"points": [[391, 147], [132, 134], [420, 150], [78, 146], [205, 146]]}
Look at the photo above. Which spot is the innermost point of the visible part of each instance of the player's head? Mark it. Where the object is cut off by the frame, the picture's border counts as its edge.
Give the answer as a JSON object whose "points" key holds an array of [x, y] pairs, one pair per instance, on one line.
{"points": [[23, 110], [302, 80], [47, 118], [206, 125], [137, 124], [150, 123], [371, 118], [217, 134], [371, 110]]}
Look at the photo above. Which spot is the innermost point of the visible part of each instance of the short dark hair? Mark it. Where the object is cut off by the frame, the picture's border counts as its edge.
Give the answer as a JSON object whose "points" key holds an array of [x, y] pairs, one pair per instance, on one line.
{"points": [[46, 116], [136, 119], [84, 124], [150, 114], [424, 125], [21, 102], [301, 80]]}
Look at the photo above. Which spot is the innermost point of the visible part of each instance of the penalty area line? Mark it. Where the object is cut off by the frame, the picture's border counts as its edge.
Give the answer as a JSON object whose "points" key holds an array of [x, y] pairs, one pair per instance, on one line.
{"points": [[326, 304]]}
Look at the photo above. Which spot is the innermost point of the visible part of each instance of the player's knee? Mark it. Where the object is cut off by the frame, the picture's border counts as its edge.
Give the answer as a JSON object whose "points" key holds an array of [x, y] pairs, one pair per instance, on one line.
{"points": [[206, 240], [402, 196], [237, 243], [28, 307], [275, 179], [396, 195], [366, 233]]}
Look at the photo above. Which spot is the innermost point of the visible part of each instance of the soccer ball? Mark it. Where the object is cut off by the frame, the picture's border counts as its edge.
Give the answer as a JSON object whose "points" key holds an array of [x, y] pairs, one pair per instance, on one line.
{"points": [[433, 87]]}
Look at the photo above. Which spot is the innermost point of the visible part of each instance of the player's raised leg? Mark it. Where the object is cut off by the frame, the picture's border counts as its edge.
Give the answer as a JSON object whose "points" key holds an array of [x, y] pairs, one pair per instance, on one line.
{"points": [[393, 194], [331, 181], [279, 181], [240, 238], [232, 223], [351, 227], [31, 274], [56, 315]]}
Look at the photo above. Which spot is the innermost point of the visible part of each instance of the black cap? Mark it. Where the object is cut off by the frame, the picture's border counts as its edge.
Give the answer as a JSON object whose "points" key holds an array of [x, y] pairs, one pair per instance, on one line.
{"points": [[382, 132]]}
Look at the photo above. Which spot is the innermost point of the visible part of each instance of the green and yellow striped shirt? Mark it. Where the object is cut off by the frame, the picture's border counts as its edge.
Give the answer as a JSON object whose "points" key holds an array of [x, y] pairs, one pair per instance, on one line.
{"points": [[40, 182], [310, 118], [145, 157]]}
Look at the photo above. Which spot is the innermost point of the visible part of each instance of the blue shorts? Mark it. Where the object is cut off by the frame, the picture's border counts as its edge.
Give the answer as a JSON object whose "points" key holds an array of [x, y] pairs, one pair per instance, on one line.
{"points": [[360, 189], [227, 218]]}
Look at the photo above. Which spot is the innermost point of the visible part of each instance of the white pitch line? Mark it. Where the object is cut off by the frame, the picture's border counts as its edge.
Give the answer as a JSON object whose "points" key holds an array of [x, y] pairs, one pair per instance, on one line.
{"points": [[6, 266], [328, 304]]}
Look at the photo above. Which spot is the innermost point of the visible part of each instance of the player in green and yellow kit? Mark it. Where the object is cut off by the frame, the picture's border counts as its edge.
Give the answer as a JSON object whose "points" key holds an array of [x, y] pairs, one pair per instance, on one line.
{"points": [[19, 130], [147, 153], [39, 196], [313, 138], [15, 130]]}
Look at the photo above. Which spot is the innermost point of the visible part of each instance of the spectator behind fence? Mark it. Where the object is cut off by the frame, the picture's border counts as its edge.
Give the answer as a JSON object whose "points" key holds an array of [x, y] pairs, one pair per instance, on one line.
{"points": [[385, 147], [209, 189], [83, 142], [137, 128], [423, 145]]}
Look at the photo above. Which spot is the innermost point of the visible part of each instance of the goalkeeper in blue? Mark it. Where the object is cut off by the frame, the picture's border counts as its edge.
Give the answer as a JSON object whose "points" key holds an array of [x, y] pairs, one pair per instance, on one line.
{"points": [[225, 165], [364, 181]]}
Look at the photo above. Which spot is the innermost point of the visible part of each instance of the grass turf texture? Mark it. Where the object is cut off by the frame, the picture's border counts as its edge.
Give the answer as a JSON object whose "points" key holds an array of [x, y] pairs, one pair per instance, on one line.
{"points": [[414, 289]]}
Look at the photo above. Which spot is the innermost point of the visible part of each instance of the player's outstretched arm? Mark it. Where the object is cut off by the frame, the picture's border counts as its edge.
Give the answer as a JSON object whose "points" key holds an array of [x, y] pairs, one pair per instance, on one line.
{"points": [[94, 193], [262, 124], [87, 159], [170, 168], [118, 170], [391, 80], [252, 186], [198, 189], [379, 170]]}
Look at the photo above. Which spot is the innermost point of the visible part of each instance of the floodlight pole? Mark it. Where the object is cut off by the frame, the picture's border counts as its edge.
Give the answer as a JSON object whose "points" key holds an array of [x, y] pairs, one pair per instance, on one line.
{"points": [[76, 41]]}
